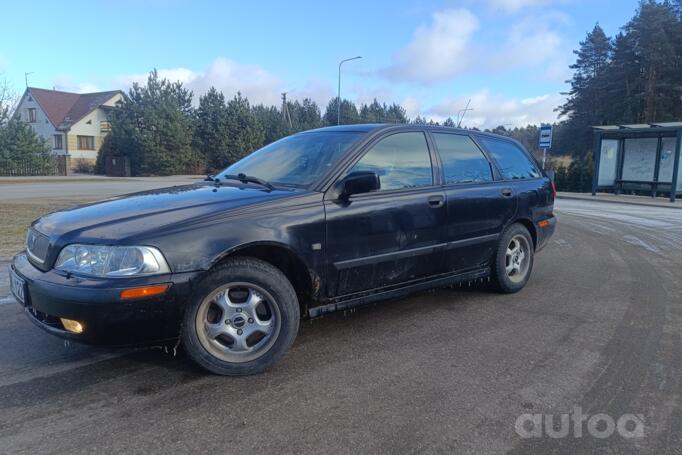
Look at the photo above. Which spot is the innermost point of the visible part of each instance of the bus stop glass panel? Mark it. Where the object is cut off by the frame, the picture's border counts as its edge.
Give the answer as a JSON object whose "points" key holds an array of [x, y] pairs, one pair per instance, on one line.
{"points": [[607, 162], [665, 169], [639, 159]]}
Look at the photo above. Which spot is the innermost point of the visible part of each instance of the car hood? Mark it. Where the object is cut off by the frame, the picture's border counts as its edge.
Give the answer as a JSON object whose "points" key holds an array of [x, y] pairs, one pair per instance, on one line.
{"points": [[133, 215]]}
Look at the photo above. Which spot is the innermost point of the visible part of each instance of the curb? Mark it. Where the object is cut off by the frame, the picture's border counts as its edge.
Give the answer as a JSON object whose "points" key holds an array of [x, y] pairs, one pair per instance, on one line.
{"points": [[595, 199], [7, 300]]}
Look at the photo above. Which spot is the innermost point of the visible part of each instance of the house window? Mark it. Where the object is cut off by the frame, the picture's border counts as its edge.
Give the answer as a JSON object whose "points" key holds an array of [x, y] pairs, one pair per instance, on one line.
{"points": [[86, 142], [31, 114], [58, 144], [104, 126]]}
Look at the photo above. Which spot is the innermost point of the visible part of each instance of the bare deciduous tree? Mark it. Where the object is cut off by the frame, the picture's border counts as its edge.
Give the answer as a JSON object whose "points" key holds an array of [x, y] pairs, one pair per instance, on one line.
{"points": [[8, 100]]}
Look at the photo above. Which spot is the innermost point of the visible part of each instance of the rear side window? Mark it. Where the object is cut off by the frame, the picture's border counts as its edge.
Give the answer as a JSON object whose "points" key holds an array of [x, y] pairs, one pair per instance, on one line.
{"points": [[463, 162], [401, 160], [511, 159]]}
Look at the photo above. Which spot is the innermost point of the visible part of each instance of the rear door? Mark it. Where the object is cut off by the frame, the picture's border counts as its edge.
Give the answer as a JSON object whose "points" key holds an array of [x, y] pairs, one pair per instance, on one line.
{"points": [[479, 203], [393, 235]]}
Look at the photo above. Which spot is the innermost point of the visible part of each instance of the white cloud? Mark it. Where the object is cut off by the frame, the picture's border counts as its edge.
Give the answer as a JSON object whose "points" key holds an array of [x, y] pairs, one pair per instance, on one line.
{"points": [[529, 43], [411, 106], [437, 51], [230, 77], [316, 89], [451, 45], [512, 6], [66, 83], [491, 110], [226, 75]]}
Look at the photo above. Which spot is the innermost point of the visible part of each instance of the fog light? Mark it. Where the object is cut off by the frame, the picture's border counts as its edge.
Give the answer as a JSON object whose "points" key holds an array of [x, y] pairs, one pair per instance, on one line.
{"points": [[72, 326]]}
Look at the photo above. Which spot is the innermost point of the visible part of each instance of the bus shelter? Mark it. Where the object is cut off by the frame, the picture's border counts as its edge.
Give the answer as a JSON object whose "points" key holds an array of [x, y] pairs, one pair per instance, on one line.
{"points": [[644, 157]]}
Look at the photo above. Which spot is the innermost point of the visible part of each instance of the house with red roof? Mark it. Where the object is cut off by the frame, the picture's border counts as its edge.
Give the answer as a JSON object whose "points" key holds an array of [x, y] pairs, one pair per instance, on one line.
{"points": [[74, 124]]}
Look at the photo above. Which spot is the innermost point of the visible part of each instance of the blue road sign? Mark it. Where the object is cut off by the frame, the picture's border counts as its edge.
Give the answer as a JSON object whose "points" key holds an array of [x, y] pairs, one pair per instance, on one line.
{"points": [[546, 136]]}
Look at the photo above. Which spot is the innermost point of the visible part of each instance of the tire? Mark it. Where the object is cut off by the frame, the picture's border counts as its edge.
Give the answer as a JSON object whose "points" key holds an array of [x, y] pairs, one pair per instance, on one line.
{"points": [[511, 271], [242, 319]]}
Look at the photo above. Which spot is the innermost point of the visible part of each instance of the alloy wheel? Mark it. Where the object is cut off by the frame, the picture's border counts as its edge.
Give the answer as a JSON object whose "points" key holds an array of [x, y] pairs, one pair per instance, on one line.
{"points": [[238, 322]]}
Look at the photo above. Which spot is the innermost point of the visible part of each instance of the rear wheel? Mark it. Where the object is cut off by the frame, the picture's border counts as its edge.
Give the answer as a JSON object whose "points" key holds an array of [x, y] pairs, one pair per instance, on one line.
{"points": [[514, 259], [243, 318]]}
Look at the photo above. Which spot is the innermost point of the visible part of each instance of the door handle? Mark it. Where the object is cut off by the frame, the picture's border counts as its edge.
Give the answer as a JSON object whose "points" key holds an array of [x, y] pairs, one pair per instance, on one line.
{"points": [[507, 192], [436, 201]]}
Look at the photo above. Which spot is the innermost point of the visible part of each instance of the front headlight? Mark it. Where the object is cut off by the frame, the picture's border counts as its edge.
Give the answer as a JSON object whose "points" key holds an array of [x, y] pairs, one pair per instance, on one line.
{"points": [[111, 261]]}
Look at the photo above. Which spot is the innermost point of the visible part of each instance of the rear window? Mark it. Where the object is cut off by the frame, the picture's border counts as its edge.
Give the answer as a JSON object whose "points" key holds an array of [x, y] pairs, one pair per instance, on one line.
{"points": [[512, 161], [463, 162]]}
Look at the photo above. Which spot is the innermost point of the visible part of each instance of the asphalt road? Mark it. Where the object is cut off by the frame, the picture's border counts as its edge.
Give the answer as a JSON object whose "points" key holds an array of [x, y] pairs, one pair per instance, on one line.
{"points": [[598, 327], [79, 186]]}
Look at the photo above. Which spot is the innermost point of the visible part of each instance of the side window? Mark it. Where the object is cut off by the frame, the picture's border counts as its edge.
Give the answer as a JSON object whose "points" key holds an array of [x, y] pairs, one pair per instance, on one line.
{"points": [[511, 160], [401, 160], [463, 162]]}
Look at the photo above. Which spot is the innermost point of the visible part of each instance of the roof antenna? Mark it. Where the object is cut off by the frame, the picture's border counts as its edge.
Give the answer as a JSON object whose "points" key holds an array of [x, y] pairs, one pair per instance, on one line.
{"points": [[26, 75], [462, 113]]}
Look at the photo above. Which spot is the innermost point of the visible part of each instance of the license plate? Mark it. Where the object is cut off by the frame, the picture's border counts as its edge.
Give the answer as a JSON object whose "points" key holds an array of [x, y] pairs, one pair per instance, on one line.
{"points": [[17, 285]]}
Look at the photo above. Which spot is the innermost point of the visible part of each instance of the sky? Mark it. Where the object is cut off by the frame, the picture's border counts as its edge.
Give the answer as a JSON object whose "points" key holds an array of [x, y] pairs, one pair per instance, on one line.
{"points": [[509, 57]]}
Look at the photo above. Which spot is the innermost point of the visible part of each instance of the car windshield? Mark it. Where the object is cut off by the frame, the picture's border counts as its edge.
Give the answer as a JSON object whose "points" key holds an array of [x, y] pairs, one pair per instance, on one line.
{"points": [[296, 161]]}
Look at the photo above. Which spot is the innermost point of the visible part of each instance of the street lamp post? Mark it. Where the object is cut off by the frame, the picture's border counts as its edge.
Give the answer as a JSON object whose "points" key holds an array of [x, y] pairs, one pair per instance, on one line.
{"points": [[338, 98]]}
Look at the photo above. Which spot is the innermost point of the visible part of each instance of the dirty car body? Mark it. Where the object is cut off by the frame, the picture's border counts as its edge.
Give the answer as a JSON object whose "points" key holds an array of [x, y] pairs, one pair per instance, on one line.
{"points": [[336, 250]]}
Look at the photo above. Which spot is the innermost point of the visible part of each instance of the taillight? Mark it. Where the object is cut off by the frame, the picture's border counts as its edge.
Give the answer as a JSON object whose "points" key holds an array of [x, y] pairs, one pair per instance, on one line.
{"points": [[553, 189]]}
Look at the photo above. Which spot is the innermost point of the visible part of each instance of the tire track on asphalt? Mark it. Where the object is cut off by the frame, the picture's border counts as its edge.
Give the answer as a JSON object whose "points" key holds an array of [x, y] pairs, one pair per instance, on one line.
{"points": [[628, 355]]}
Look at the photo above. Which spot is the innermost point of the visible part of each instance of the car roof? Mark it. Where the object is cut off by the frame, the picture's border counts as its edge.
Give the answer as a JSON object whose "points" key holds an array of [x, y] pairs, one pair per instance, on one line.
{"points": [[372, 127]]}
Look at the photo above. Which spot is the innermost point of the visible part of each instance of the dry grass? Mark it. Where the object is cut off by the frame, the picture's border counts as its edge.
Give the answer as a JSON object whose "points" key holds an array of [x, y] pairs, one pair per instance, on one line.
{"points": [[561, 160], [16, 217]]}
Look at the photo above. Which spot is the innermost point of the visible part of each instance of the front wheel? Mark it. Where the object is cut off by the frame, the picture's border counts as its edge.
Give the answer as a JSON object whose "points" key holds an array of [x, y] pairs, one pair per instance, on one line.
{"points": [[242, 319], [514, 259]]}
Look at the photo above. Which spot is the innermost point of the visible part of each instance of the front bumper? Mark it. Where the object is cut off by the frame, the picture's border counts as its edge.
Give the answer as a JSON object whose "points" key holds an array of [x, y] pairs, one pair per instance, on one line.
{"points": [[95, 303]]}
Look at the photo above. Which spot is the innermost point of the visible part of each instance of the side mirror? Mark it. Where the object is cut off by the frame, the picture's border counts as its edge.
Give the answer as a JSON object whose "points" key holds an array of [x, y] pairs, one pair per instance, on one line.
{"points": [[357, 183]]}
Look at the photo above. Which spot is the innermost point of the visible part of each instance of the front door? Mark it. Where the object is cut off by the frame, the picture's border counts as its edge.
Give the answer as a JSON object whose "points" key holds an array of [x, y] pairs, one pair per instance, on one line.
{"points": [[392, 235]]}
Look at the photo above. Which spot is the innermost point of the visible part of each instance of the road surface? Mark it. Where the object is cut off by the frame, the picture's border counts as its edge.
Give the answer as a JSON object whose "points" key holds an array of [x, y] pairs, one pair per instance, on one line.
{"points": [[597, 328], [17, 189]]}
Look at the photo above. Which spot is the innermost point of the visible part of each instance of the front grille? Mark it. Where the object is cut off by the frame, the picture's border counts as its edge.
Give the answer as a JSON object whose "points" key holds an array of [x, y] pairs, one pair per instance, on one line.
{"points": [[37, 245]]}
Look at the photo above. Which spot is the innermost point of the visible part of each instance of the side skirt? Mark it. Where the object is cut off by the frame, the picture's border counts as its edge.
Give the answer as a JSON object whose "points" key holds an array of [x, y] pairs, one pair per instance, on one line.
{"points": [[358, 299]]}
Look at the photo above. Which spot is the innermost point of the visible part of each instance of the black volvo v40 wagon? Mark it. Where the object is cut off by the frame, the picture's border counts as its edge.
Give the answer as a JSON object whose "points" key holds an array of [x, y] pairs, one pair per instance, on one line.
{"points": [[316, 222]]}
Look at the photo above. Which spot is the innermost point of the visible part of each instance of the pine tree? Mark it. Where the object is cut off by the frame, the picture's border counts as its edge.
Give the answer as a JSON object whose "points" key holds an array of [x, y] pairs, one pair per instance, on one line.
{"points": [[304, 115], [586, 105], [211, 135], [154, 127], [349, 113], [395, 113], [449, 122], [272, 120], [624, 83], [656, 34], [20, 145], [244, 132]]}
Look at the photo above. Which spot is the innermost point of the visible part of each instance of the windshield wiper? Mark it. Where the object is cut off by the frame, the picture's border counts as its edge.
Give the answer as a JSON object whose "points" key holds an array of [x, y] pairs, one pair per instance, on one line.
{"points": [[250, 179]]}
